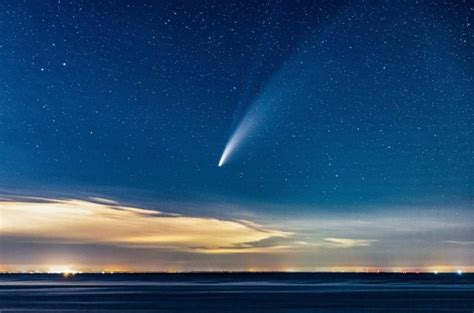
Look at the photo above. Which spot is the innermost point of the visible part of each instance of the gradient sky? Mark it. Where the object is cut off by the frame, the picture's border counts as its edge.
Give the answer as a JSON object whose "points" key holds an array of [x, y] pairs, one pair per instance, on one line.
{"points": [[348, 127]]}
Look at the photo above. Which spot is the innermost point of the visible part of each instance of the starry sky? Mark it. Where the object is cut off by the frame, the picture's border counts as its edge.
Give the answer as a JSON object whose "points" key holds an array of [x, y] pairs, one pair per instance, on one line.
{"points": [[346, 130]]}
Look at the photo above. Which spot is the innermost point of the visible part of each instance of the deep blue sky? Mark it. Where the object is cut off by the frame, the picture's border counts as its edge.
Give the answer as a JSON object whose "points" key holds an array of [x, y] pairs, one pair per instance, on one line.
{"points": [[145, 95], [356, 107]]}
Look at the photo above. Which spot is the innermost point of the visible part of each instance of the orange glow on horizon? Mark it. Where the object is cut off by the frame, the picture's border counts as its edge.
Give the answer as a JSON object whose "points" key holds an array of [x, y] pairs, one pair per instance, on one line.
{"points": [[69, 270]]}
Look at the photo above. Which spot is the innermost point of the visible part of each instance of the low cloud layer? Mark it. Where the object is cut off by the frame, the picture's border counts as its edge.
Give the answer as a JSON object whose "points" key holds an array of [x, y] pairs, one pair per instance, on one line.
{"points": [[105, 222], [100, 234]]}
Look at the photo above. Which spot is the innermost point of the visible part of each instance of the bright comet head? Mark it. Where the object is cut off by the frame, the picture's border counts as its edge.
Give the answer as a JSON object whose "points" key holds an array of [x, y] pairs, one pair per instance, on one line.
{"points": [[224, 156], [241, 132]]}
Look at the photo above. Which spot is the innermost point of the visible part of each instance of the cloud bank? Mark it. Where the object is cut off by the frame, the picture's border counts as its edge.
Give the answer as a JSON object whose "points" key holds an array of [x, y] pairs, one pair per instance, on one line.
{"points": [[105, 222], [99, 234]]}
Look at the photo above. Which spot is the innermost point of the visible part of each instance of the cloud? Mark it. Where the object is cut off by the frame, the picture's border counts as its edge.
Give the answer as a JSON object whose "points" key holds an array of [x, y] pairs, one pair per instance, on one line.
{"points": [[105, 222], [274, 243], [103, 200], [348, 242], [461, 243]]}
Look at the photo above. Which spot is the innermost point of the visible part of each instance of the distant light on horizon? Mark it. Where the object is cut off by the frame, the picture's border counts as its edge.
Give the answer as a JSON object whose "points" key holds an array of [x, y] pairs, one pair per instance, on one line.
{"points": [[70, 270], [62, 269]]}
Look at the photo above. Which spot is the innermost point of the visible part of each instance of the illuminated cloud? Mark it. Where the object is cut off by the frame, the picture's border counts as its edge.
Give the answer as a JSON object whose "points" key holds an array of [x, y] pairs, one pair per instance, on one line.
{"points": [[348, 242], [97, 234], [105, 222]]}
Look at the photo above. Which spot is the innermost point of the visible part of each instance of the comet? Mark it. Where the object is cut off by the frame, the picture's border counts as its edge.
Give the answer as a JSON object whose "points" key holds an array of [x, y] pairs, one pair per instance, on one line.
{"points": [[247, 128], [288, 88], [244, 128]]}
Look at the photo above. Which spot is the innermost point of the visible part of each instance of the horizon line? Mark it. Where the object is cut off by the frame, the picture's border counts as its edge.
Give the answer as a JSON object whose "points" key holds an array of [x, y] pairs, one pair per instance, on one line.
{"points": [[458, 272]]}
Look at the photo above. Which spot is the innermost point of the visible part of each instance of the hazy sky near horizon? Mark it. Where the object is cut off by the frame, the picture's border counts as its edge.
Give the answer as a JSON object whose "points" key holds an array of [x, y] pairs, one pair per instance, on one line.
{"points": [[342, 131]]}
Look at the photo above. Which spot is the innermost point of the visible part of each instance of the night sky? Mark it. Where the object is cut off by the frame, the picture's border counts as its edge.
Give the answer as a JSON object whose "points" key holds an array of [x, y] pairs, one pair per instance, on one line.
{"points": [[345, 132]]}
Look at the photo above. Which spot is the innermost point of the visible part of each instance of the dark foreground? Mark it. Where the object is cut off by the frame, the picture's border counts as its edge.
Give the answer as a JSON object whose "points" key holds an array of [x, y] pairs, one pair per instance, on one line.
{"points": [[237, 292]]}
